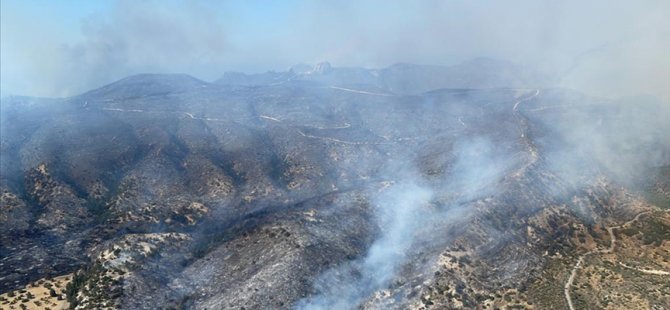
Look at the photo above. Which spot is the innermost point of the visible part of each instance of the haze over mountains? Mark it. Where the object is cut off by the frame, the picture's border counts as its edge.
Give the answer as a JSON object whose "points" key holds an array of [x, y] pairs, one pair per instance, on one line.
{"points": [[403, 78], [411, 186], [602, 48]]}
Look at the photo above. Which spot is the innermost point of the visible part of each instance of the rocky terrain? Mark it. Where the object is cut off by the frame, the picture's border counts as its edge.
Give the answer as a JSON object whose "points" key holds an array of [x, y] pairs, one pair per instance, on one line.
{"points": [[465, 187]]}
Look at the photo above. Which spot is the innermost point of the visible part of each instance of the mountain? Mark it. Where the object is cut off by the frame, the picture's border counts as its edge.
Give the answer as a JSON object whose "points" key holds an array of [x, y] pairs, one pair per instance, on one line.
{"points": [[323, 187], [403, 78], [146, 85]]}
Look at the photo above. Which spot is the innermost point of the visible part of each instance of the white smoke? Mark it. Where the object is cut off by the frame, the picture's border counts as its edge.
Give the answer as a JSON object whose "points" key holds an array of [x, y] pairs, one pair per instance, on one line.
{"points": [[408, 214]]}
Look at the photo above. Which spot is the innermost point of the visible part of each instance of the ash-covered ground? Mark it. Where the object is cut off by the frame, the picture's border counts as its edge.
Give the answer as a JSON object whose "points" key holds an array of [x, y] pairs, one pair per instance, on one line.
{"points": [[472, 186]]}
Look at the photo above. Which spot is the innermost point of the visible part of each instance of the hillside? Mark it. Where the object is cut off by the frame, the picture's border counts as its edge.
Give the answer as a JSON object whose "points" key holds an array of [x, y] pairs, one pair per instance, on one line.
{"points": [[322, 187]]}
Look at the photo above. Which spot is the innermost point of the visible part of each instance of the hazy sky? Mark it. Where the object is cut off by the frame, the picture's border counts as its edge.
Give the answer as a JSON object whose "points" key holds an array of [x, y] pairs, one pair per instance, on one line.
{"points": [[61, 48]]}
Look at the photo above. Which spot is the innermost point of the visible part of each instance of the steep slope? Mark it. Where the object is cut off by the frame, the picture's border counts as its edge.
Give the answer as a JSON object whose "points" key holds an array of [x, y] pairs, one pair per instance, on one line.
{"points": [[165, 191]]}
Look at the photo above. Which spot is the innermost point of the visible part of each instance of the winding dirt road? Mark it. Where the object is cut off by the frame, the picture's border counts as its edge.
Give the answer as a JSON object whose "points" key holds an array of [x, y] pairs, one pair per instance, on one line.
{"points": [[647, 271], [525, 129], [266, 117], [580, 260], [360, 91], [516, 105], [188, 114], [571, 279], [122, 110], [341, 141], [460, 120]]}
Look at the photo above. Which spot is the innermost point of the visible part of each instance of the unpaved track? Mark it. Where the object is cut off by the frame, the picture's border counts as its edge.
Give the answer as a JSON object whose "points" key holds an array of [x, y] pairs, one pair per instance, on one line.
{"points": [[345, 125], [580, 260], [647, 271], [361, 91], [566, 288], [341, 141], [516, 105], [188, 114], [266, 117], [460, 120], [525, 137], [274, 119]]}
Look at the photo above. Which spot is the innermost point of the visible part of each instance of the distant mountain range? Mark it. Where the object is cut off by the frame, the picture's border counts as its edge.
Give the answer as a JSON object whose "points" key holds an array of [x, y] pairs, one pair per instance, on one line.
{"points": [[402, 78]]}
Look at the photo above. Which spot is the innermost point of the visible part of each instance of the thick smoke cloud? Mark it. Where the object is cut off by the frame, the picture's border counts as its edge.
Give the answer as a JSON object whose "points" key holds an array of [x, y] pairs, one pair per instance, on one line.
{"points": [[603, 47], [622, 142], [133, 37]]}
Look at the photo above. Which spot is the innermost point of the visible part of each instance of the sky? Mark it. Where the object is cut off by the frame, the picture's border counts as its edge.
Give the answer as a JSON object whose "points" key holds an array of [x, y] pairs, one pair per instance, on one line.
{"points": [[62, 48]]}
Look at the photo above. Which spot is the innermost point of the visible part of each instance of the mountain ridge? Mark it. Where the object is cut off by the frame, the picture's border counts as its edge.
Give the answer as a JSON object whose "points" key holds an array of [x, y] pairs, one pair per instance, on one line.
{"points": [[166, 191]]}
